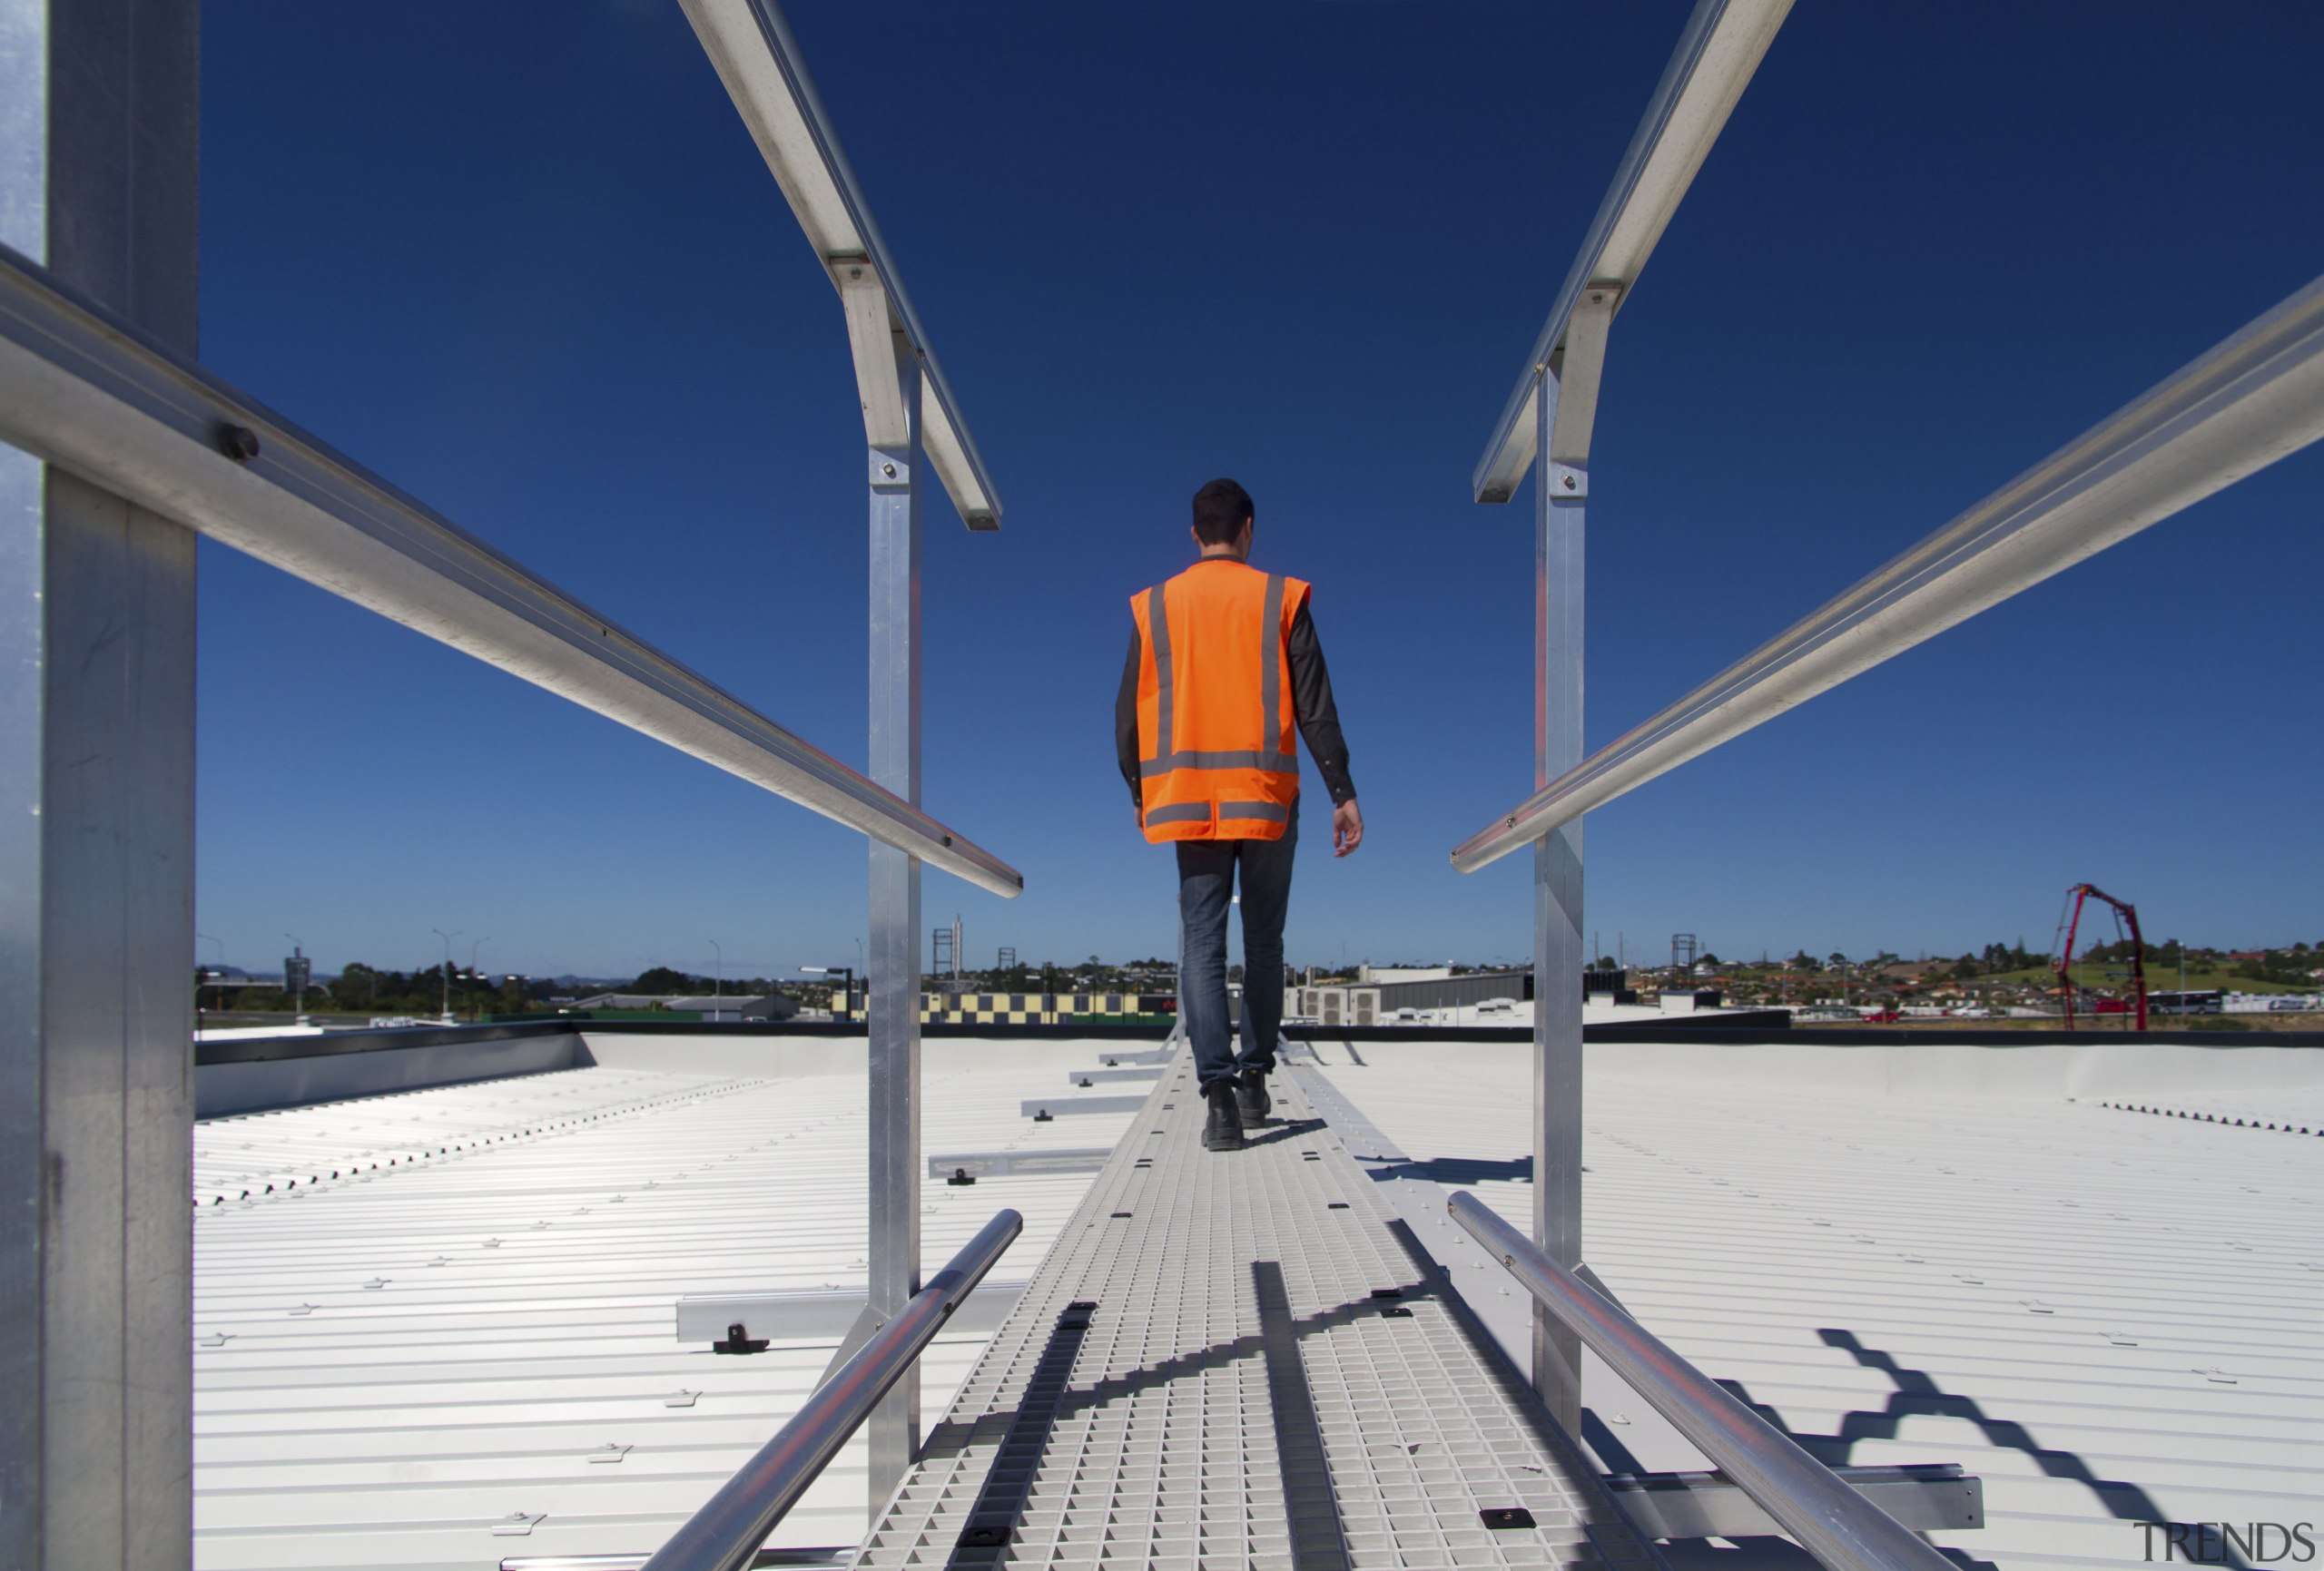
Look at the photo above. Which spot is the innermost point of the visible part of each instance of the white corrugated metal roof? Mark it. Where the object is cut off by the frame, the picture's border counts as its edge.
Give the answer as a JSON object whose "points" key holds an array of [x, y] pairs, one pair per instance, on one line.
{"points": [[452, 1312], [463, 1314], [1927, 1254]]}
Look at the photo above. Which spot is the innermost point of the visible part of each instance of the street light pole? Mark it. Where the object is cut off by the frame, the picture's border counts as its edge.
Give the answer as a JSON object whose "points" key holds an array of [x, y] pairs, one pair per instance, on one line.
{"points": [[846, 1012], [298, 998], [718, 980], [218, 990], [473, 947], [448, 938]]}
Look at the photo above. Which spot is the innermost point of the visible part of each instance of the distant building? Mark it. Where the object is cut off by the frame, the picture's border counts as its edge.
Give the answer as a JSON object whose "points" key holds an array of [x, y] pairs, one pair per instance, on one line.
{"points": [[700, 1006], [619, 1001], [1045, 1008], [1333, 1005], [751, 1007]]}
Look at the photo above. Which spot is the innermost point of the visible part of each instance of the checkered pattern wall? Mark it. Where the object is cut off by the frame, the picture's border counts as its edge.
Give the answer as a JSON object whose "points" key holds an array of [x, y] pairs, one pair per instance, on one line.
{"points": [[1041, 1008]]}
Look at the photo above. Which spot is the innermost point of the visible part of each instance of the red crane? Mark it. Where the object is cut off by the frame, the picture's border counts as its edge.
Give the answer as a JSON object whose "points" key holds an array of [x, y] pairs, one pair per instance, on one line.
{"points": [[2126, 915]]}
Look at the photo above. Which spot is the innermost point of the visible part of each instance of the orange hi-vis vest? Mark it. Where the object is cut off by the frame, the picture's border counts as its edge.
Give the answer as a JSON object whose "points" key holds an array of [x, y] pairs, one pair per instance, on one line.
{"points": [[1214, 713]]}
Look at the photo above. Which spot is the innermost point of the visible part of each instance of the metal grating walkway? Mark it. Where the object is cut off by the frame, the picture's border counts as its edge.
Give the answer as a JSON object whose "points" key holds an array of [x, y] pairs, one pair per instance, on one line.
{"points": [[1241, 1359]]}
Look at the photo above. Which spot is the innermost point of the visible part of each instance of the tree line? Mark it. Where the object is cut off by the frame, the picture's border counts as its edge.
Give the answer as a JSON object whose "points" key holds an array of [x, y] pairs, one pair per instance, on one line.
{"points": [[363, 989]]}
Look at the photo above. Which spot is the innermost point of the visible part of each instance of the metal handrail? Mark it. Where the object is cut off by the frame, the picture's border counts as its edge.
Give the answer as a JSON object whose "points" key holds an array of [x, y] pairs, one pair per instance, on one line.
{"points": [[726, 1533], [751, 46], [2256, 397], [1716, 54], [831, 1557], [1830, 1520], [84, 390]]}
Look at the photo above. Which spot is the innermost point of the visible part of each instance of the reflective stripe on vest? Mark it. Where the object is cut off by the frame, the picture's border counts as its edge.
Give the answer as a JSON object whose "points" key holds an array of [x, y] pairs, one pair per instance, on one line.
{"points": [[1158, 628], [1270, 671], [1199, 812], [1282, 762]]}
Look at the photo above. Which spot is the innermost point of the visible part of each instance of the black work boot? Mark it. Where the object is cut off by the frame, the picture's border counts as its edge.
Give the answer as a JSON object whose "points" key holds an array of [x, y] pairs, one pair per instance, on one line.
{"points": [[1223, 1130], [1251, 1098]]}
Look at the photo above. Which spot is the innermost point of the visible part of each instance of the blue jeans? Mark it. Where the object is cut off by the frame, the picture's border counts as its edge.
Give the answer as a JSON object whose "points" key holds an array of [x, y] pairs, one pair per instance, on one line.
{"points": [[1206, 877]]}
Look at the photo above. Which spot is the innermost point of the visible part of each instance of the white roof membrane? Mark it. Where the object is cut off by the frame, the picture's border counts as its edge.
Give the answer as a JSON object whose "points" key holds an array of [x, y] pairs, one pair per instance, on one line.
{"points": [[463, 1356], [1931, 1254], [446, 1333]]}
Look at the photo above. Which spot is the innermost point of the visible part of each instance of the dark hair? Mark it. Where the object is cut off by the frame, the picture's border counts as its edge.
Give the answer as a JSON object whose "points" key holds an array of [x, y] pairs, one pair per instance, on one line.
{"points": [[1220, 508]]}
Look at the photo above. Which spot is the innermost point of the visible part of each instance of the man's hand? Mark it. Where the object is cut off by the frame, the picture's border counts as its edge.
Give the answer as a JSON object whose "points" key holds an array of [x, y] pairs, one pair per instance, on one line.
{"points": [[1347, 828]]}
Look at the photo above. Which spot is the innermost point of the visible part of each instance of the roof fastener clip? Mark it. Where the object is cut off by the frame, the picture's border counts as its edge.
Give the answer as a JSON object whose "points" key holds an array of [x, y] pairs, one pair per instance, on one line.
{"points": [[737, 1342]]}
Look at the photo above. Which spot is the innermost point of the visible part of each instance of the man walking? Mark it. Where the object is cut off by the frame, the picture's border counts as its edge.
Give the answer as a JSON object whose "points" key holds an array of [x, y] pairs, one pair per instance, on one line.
{"points": [[1223, 662]]}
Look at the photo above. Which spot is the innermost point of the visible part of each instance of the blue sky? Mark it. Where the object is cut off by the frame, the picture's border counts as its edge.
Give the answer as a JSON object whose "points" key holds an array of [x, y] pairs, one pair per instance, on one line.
{"points": [[523, 260]]}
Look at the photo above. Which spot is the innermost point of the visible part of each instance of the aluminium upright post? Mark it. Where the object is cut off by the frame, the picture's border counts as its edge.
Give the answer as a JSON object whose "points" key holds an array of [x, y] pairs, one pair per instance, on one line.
{"points": [[1566, 416], [98, 174], [1561, 495], [888, 376]]}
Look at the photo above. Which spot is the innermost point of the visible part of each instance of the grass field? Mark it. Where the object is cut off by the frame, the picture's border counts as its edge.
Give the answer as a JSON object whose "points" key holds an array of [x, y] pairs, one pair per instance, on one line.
{"points": [[2102, 1025], [2097, 974]]}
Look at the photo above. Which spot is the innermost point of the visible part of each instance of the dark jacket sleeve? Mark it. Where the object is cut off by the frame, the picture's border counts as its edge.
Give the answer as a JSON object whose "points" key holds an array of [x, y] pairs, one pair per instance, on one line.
{"points": [[1125, 722], [1319, 717]]}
